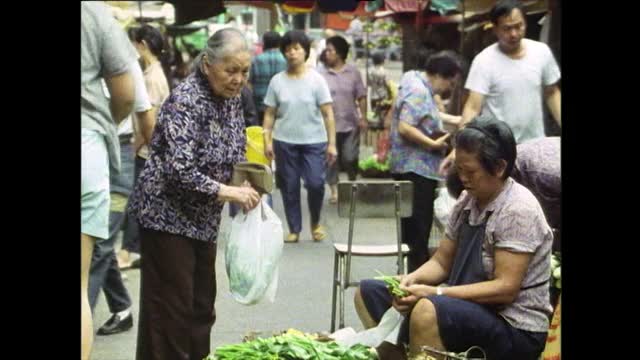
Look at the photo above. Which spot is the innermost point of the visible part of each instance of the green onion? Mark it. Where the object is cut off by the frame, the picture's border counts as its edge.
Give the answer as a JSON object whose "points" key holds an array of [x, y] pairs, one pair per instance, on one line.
{"points": [[393, 284]]}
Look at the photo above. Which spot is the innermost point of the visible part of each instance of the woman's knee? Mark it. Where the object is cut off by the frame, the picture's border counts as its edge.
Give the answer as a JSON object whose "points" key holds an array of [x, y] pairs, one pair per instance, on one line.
{"points": [[423, 315]]}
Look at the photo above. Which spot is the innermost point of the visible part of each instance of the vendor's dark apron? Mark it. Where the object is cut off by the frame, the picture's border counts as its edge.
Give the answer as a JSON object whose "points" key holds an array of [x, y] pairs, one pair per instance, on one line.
{"points": [[467, 265]]}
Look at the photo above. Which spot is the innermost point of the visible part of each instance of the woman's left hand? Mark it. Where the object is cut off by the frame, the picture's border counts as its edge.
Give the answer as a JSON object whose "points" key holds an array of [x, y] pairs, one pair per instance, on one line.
{"points": [[332, 154], [420, 290]]}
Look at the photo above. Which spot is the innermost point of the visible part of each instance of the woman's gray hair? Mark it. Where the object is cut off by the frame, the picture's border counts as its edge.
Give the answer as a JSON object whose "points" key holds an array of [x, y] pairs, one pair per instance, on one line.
{"points": [[221, 44]]}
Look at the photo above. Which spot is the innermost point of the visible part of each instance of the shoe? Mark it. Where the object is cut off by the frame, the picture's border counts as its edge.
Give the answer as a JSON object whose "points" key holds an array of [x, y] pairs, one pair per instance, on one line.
{"points": [[333, 199], [116, 325], [123, 260], [135, 260], [318, 233], [292, 238]]}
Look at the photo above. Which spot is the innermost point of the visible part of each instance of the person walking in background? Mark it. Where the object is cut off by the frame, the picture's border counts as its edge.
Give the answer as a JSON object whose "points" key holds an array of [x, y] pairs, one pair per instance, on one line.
{"points": [[378, 82], [512, 78], [105, 273], [418, 143], [299, 131], [150, 45], [349, 110], [264, 67], [105, 53]]}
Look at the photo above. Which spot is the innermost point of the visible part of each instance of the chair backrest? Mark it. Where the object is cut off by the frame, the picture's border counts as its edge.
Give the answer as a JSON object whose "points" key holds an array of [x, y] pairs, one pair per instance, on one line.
{"points": [[375, 198]]}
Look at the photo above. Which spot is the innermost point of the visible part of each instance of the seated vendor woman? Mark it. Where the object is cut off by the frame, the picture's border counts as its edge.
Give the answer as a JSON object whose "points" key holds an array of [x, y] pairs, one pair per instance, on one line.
{"points": [[487, 284]]}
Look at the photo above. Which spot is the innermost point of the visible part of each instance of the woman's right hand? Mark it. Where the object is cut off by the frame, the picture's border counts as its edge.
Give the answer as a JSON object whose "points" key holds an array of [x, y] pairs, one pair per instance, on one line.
{"points": [[446, 163], [245, 196], [441, 142], [268, 151]]}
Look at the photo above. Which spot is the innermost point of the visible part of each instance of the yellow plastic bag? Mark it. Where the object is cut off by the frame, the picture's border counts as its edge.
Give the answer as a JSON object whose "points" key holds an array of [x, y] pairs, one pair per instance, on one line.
{"points": [[255, 146], [552, 349]]}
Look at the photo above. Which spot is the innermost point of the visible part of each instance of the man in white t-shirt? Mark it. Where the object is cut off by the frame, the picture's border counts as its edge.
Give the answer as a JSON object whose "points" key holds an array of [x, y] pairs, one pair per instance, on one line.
{"points": [[512, 78]]}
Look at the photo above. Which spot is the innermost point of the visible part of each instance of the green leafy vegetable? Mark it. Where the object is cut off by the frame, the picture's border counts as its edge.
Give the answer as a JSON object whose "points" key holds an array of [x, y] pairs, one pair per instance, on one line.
{"points": [[291, 347], [392, 283]]}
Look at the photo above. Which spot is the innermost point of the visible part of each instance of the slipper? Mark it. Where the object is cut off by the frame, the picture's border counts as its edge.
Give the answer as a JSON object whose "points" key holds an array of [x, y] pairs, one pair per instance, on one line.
{"points": [[333, 199], [318, 233], [292, 238]]}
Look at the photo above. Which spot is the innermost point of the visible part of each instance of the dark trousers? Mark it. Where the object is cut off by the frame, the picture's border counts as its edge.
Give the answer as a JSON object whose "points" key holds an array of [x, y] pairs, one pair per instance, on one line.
{"points": [[104, 272], [348, 146], [294, 161], [416, 229], [131, 233], [177, 294]]}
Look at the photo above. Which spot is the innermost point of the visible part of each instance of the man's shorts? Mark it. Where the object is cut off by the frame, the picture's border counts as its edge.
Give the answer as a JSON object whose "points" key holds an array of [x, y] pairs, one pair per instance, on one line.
{"points": [[94, 201], [463, 324]]}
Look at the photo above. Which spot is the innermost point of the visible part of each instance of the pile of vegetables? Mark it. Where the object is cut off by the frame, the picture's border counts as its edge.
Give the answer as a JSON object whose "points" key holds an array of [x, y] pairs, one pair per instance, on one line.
{"points": [[556, 263], [373, 163], [393, 284], [292, 345]]}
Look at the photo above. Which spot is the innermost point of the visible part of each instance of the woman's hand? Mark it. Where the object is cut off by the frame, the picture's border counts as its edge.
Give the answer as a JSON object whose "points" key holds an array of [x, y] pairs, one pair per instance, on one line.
{"points": [[405, 304], [446, 164], [440, 143], [244, 195], [268, 151], [419, 290], [416, 292], [406, 280], [332, 154]]}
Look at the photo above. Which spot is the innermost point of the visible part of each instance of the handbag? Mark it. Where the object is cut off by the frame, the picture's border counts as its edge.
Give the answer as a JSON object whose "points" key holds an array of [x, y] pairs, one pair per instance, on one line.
{"points": [[258, 175]]}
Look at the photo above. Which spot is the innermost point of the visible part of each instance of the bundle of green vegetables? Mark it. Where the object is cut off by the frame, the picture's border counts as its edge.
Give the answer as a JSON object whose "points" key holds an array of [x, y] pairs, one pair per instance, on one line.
{"points": [[373, 163], [291, 347], [392, 283]]}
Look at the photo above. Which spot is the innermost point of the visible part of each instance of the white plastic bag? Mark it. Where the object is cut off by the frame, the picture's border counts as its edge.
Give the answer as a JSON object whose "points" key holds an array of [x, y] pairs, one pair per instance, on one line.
{"points": [[252, 254], [443, 205], [387, 330]]}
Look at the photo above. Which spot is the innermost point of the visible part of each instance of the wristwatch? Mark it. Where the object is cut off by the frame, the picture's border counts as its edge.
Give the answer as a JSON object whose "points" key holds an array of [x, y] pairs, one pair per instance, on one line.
{"points": [[439, 290]]}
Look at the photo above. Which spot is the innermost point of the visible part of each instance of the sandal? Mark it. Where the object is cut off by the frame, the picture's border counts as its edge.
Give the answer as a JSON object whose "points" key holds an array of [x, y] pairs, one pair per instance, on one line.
{"points": [[292, 238], [318, 233], [333, 199]]}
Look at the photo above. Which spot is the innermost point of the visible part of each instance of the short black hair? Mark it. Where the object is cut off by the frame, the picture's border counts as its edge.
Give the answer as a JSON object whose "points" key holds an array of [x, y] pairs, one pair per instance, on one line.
{"points": [[445, 63], [378, 58], [504, 7], [270, 40], [341, 45], [295, 36], [491, 140]]}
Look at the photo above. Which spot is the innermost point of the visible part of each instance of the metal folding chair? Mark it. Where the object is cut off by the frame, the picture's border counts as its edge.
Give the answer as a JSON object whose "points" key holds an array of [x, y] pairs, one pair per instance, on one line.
{"points": [[368, 199]]}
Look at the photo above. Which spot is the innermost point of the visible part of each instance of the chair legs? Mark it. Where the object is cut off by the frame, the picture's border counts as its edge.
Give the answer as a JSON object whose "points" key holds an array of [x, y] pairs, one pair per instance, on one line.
{"points": [[339, 288], [335, 283], [342, 286]]}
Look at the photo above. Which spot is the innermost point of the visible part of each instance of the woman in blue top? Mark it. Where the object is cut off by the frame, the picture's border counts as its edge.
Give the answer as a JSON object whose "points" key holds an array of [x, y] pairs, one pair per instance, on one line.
{"points": [[417, 144], [299, 131]]}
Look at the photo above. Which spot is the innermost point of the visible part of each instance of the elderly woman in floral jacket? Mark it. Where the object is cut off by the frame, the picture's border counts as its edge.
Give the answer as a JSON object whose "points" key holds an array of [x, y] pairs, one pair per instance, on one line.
{"points": [[179, 197]]}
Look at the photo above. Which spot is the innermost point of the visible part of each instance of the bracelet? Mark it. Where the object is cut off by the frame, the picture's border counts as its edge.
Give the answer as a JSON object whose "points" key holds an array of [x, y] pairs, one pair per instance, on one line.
{"points": [[439, 290]]}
